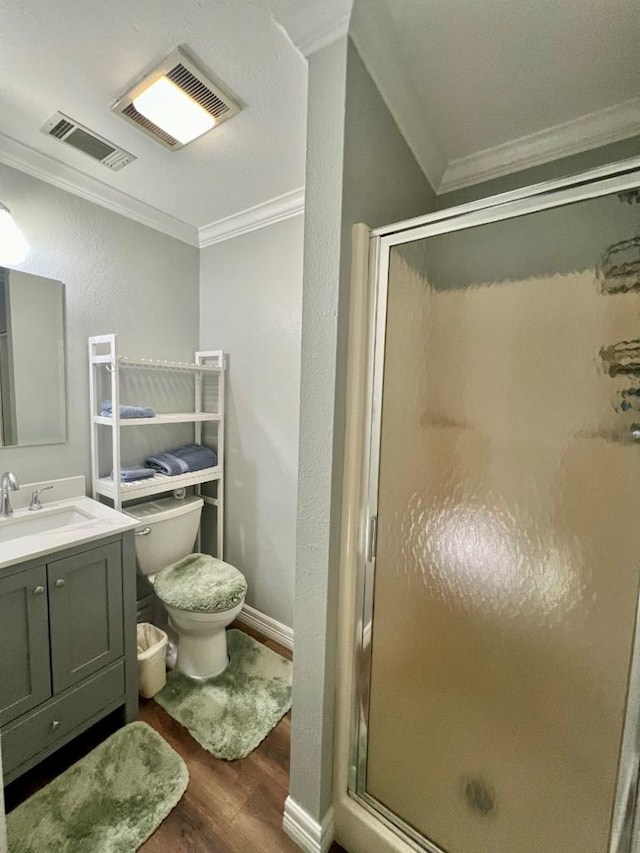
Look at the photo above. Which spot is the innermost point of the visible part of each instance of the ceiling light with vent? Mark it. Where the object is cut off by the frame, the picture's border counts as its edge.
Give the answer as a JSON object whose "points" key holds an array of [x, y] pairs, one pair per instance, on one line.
{"points": [[176, 103], [175, 112]]}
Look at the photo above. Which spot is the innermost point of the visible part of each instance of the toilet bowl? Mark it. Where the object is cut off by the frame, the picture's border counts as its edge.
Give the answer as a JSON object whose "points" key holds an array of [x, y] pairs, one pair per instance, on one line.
{"points": [[164, 540], [202, 644], [202, 596]]}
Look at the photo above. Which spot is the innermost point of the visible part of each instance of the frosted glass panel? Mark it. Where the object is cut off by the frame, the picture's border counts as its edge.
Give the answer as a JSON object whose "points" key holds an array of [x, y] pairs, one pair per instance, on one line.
{"points": [[506, 577]]}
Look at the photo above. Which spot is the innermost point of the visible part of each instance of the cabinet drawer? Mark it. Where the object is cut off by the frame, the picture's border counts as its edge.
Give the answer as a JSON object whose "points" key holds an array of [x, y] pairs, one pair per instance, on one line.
{"points": [[44, 727]]}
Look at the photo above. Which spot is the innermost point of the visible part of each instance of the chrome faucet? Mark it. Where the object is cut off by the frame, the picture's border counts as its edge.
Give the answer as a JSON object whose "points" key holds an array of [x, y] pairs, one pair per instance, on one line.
{"points": [[8, 483]]}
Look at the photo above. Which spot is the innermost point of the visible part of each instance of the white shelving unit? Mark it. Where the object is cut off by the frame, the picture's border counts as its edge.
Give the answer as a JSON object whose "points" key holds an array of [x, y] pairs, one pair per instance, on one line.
{"points": [[104, 355]]}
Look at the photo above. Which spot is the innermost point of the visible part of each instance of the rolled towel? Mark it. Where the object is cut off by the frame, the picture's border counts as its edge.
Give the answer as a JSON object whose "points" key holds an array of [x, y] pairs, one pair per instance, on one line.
{"points": [[137, 472], [180, 460], [106, 411]]}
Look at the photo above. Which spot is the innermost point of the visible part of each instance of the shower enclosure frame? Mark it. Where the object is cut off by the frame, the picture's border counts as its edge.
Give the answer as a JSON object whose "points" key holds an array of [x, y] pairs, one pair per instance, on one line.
{"points": [[360, 522]]}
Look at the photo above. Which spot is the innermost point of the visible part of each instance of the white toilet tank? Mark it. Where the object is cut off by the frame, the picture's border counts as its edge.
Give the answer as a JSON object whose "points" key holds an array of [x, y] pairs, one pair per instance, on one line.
{"points": [[172, 527]]}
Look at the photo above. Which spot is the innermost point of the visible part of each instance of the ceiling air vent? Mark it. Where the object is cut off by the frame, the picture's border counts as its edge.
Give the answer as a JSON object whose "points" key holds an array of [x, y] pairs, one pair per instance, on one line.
{"points": [[82, 139], [176, 103]]}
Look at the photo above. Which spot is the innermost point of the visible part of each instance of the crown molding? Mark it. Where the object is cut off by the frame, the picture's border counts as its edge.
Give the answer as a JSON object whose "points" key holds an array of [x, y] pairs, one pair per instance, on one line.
{"points": [[312, 25], [261, 215], [52, 171], [562, 140], [20, 156]]}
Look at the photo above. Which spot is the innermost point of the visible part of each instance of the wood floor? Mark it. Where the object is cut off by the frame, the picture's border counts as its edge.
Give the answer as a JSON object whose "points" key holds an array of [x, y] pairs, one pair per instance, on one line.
{"points": [[228, 807]]}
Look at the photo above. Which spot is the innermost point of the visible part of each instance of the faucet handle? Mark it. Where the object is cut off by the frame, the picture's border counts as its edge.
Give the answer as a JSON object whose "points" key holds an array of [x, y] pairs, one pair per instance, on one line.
{"points": [[35, 498]]}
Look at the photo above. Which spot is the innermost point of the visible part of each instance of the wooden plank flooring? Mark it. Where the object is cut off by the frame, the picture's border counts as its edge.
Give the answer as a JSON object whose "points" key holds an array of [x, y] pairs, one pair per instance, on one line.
{"points": [[228, 807]]}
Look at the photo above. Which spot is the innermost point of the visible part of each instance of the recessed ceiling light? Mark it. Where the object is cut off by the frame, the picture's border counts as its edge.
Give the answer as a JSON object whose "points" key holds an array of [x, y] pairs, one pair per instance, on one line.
{"points": [[168, 106], [176, 103]]}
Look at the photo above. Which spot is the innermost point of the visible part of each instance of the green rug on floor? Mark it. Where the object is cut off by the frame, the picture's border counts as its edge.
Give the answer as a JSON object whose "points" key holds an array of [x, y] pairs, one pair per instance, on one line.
{"points": [[110, 801], [231, 714]]}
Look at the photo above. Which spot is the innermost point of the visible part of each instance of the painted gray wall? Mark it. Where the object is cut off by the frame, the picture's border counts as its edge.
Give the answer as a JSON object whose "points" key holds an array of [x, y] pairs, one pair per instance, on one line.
{"points": [[251, 307], [381, 176], [120, 277], [359, 169]]}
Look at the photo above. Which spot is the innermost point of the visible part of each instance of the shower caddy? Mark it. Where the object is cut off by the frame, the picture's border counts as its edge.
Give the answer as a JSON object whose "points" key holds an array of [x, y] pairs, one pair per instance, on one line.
{"points": [[104, 355]]}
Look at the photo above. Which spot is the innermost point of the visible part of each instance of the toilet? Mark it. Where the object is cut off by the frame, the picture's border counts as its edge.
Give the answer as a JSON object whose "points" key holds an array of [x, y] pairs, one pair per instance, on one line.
{"points": [[202, 595]]}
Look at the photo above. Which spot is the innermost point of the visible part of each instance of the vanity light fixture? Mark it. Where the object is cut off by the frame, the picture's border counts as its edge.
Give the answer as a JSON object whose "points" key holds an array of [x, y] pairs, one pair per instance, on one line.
{"points": [[176, 103], [13, 246]]}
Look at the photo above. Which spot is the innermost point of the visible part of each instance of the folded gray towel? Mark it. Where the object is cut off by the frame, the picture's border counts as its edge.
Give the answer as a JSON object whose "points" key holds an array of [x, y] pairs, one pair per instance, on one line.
{"points": [[106, 411], [180, 460], [137, 472]]}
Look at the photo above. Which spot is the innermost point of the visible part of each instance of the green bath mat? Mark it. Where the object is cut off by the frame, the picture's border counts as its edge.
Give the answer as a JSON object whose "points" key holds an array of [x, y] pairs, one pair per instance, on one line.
{"points": [[230, 715], [111, 801]]}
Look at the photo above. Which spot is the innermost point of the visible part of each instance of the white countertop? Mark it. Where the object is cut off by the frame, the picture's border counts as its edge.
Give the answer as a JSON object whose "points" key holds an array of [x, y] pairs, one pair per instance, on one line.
{"points": [[101, 521]]}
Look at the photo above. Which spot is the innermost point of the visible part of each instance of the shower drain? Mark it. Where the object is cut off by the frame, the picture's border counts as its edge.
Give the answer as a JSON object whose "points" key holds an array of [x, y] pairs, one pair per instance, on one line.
{"points": [[479, 794]]}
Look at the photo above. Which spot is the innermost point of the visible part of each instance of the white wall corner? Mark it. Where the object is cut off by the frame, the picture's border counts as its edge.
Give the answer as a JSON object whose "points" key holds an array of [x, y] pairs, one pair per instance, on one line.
{"points": [[26, 159], [312, 25], [271, 628], [267, 213], [611, 124], [309, 835]]}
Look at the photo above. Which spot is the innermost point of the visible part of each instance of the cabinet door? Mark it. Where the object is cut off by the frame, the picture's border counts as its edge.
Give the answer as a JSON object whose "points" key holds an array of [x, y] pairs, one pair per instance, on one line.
{"points": [[85, 611], [25, 678]]}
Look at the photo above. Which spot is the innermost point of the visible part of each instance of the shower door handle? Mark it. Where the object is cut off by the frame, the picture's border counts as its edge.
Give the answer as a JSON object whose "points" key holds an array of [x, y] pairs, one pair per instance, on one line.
{"points": [[372, 538]]}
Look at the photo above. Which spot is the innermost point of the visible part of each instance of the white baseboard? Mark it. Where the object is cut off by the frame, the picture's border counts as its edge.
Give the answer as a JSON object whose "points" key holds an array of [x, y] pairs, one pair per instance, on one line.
{"points": [[309, 835], [271, 628]]}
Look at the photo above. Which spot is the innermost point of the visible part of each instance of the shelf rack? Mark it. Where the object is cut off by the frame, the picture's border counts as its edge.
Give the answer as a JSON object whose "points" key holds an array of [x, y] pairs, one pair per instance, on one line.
{"points": [[104, 355], [167, 418]]}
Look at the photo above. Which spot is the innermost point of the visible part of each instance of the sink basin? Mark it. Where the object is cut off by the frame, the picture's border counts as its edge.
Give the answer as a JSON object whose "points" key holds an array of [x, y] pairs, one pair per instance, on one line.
{"points": [[71, 521], [26, 524]]}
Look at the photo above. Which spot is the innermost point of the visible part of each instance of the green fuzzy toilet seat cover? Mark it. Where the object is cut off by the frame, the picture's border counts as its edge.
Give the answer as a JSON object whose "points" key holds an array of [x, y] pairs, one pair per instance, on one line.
{"points": [[200, 583]]}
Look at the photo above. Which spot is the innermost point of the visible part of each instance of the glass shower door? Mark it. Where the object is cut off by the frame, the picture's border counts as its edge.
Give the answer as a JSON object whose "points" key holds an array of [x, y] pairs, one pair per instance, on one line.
{"points": [[506, 484]]}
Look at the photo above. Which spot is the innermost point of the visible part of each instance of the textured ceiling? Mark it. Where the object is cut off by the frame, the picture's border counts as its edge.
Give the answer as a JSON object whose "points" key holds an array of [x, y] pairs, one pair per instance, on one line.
{"points": [[80, 57], [462, 76]]}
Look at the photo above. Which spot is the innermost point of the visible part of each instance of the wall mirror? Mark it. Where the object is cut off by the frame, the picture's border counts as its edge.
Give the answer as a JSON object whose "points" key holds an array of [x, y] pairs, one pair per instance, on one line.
{"points": [[32, 360]]}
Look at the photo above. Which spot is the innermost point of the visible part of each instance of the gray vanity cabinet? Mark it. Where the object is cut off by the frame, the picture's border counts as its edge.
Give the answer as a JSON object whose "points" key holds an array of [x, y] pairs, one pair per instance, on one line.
{"points": [[85, 612], [67, 648], [24, 633]]}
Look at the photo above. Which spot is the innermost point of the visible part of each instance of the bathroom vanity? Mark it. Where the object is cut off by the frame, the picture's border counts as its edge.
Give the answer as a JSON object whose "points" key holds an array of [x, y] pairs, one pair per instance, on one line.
{"points": [[67, 623]]}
